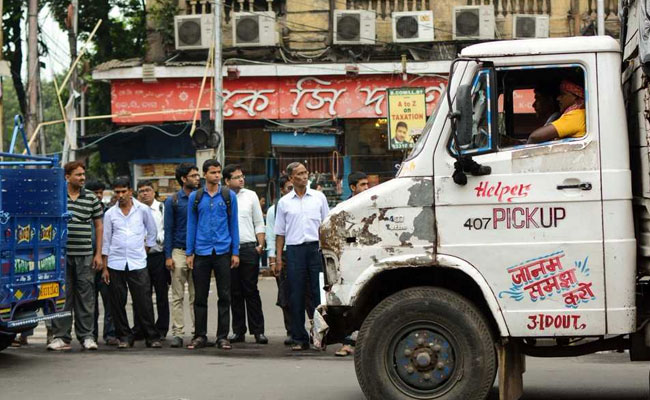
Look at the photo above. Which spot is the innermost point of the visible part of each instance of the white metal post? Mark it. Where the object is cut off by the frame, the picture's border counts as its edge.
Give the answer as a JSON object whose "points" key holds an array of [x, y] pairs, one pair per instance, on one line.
{"points": [[218, 82], [600, 14]]}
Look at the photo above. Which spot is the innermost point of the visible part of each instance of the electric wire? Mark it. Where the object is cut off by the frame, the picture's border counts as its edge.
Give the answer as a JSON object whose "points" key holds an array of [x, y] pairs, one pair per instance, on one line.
{"points": [[129, 129]]}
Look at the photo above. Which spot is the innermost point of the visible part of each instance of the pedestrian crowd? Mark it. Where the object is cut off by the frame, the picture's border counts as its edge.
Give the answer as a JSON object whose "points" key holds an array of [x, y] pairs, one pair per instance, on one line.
{"points": [[143, 246]]}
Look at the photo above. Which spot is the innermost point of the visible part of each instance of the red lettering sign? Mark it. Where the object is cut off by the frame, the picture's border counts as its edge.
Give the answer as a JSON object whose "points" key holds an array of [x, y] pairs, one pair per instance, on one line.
{"points": [[320, 97], [541, 322], [501, 191]]}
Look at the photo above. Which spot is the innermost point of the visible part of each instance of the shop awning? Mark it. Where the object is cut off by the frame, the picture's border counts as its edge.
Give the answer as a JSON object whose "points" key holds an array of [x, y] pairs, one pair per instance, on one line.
{"points": [[303, 140], [143, 142]]}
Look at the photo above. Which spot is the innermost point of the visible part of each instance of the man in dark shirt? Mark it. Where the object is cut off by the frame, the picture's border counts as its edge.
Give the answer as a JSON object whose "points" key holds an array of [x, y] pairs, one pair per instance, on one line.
{"points": [[212, 245], [187, 176], [101, 288], [86, 211]]}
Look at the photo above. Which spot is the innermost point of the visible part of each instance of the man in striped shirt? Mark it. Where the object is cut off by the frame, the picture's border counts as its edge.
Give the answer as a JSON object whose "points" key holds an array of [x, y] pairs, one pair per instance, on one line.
{"points": [[81, 265]]}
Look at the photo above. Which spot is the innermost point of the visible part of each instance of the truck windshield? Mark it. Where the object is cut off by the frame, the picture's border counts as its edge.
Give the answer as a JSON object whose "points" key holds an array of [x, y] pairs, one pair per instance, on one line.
{"points": [[426, 131]]}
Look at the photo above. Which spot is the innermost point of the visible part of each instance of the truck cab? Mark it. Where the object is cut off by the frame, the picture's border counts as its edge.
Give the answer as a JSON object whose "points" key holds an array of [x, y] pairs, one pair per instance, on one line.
{"points": [[483, 241]]}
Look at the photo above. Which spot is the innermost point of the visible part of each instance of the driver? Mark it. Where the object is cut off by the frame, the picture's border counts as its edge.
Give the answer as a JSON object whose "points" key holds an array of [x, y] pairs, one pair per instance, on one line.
{"points": [[572, 121]]}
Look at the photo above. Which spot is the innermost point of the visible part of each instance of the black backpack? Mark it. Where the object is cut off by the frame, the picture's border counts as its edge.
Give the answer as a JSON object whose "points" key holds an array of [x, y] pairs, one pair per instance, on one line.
{"points": [[225, 193]]}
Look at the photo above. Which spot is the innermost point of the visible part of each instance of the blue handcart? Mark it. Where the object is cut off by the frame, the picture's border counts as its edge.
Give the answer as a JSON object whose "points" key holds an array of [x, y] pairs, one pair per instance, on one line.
{"points": [[33, 233]]}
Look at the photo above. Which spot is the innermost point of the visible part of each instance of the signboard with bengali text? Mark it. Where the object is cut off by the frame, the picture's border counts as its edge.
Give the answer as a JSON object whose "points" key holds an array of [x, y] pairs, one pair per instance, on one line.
{"points": [[274, 98]]}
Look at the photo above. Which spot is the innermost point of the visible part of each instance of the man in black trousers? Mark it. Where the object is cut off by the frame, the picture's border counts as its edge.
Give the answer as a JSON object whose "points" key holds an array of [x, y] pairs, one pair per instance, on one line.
{"points": [[245, 296], [212, 246], [129, 232], [158, 274]]}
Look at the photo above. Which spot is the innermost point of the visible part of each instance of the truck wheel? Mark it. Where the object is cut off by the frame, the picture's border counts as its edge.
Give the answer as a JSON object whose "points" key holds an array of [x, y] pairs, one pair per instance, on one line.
{"points": [[425, 343], [5, 341]]}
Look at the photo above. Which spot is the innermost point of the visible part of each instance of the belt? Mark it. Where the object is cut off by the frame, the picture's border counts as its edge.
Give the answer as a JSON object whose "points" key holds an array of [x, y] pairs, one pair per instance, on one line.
{"points": [[247, 245], [304, 244]]}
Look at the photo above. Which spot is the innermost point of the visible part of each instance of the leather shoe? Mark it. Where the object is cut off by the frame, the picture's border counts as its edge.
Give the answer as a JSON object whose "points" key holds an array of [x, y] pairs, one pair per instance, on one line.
{"points": [[177, 342], [288, 341], [261, 339], [237, 338]]}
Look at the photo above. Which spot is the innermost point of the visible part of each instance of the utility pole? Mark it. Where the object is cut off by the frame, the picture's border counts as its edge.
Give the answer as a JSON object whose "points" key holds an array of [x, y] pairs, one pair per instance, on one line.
{"points": [[71, 107], [41, 138], [218, 83], [219, 152], [33, 70]]}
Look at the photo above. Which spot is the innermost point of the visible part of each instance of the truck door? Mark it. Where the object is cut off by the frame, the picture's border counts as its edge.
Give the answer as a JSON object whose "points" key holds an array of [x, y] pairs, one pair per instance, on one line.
{"points": [[534, 226]]}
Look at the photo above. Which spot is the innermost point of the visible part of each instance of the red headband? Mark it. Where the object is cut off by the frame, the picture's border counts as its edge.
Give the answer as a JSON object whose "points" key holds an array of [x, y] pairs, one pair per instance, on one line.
{"points": [[574, 89]]}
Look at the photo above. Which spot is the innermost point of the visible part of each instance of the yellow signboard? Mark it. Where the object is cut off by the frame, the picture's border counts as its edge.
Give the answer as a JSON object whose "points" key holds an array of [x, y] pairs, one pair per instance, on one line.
{"points": [[407, 115]]}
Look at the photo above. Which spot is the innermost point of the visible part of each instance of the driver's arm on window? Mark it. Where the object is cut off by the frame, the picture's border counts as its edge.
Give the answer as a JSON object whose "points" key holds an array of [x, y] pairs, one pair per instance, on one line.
{"points": [[543, 134]]}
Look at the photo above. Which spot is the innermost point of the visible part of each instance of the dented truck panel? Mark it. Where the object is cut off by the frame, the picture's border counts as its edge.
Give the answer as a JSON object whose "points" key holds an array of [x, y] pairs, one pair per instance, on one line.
{"points": [[390, 220]]}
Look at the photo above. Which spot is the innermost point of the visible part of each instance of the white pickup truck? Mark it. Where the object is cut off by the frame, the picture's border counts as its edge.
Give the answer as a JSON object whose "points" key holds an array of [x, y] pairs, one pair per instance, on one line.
{"points": [[465, 263]]}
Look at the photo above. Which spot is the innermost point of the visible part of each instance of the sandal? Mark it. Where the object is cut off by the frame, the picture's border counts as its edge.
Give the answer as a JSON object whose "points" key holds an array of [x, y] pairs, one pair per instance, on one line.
{"points": [[125, 343], [300, 347], [19, 341], [224, 344], [345, 351], [197, 343]]}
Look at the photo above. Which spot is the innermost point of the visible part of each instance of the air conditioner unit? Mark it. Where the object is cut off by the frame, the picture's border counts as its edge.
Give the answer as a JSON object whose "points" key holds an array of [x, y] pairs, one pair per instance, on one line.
{"points": [[193, 32], [354, 27], [473, 22], [254, 29], [412, 26], [530, 26]]}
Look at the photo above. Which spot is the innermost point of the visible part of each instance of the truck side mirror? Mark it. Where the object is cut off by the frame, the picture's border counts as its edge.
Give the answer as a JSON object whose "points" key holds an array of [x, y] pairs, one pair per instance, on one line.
{"points": [[465, 120], [464, 125]]}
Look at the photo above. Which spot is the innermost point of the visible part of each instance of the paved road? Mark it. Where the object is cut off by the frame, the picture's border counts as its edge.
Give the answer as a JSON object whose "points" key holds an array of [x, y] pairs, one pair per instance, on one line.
{"points": [[270, 372]]}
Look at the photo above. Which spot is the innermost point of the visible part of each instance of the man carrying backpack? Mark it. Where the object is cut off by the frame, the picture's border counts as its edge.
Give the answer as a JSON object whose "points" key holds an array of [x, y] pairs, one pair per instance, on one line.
{"points": [[175, 219], [212, 245]]}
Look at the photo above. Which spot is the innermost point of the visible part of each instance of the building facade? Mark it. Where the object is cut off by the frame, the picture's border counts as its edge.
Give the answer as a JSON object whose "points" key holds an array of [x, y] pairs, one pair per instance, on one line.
{"points": [[307, 80]]}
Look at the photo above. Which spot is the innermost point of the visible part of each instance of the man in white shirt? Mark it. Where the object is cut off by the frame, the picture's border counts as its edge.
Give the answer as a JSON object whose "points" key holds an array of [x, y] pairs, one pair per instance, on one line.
{"points": [[298, 218], [245, 296], [281, 278], [129, 232], [158, 274]]}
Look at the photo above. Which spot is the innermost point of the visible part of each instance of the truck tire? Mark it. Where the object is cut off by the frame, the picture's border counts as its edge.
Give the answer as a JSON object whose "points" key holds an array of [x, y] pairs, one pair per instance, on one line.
{"points": [[5, 341], [425, 343]]}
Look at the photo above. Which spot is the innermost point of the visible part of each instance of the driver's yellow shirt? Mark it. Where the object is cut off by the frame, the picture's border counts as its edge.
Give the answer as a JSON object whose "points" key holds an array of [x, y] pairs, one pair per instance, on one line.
{"points": [[571, 124]]}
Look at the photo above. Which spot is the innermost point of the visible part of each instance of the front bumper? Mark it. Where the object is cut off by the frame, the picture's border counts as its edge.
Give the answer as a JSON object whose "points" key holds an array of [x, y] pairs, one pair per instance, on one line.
{"points": [[332, 324], [319, 328], [20, 325]]}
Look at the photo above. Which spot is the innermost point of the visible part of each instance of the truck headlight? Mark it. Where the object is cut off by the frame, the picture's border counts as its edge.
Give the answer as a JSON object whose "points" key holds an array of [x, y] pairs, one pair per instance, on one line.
{"points": [[331, 266]]}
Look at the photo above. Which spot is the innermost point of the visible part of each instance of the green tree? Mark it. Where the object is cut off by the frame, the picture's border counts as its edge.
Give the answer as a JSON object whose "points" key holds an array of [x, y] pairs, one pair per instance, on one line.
{"points": [[162, 15], [11, 108], [12, 25], [120, 36], [54, 133]]}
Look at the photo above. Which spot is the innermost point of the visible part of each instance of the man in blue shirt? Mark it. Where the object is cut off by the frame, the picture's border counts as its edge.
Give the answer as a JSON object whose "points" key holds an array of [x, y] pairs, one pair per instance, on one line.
{"points": [[212, 245], [187, 176]]}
